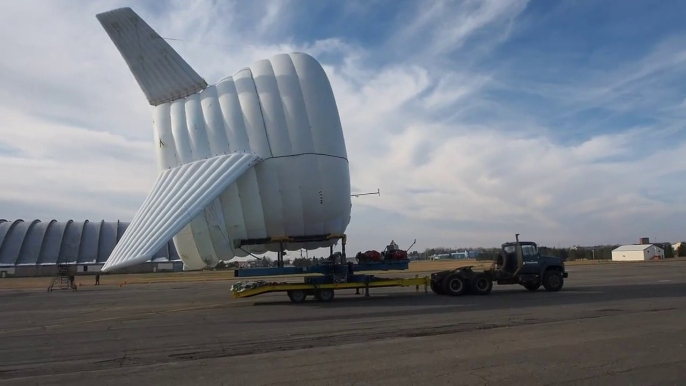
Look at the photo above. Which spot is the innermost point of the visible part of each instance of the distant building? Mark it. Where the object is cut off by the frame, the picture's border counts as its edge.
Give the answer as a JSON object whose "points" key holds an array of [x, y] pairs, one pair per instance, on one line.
{"points": [[472, 254], [638, 253], [36, 248], [664, 246], [459, 255], [243, 262], [414, 255], [455, 255], [440, 256]]}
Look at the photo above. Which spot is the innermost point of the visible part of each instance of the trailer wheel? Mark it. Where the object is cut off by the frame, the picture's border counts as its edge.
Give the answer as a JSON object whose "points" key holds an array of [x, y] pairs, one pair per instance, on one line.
{"points": [[297, 296], [553, 281], [481, 284], [324, 295], [436, 288], [454, 285]]}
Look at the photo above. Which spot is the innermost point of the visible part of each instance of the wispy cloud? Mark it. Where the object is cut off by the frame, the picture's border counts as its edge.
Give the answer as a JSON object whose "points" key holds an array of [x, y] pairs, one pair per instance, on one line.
{"points": [[446, 26]]}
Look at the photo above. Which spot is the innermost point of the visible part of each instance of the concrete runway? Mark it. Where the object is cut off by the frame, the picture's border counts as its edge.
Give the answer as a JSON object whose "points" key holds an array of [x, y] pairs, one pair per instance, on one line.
{"points": [[612, 324]]}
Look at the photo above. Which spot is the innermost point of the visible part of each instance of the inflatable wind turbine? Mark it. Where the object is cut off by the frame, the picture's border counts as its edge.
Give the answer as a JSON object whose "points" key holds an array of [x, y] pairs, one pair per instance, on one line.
{"points": [[259, 156]]}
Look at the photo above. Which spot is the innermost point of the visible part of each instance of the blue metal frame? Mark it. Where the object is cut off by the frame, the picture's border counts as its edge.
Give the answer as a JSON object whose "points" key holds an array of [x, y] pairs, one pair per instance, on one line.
{"points": [[326, 269], [254, 272], [332, 272], [392, 265]]}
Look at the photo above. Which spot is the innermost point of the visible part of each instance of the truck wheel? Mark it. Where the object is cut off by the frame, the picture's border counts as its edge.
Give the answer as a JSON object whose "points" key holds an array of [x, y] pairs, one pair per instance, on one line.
{"points": [[297, 296], [325, 295], [553, 281], [436, 288], [454, 285], [532, 286], [481, 284]]}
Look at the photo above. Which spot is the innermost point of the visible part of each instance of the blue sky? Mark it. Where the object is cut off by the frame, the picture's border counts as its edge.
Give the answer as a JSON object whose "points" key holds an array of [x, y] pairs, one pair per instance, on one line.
{"points": [[562, 121]]}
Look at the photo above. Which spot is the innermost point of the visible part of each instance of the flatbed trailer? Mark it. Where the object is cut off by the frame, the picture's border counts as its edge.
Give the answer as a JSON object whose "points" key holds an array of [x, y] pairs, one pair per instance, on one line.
{"points": [[321, 280], [298, 292]]}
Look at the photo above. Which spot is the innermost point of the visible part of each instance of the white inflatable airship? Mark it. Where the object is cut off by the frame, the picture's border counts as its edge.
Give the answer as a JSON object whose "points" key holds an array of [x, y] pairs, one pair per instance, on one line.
{"points": [[257, 158]]}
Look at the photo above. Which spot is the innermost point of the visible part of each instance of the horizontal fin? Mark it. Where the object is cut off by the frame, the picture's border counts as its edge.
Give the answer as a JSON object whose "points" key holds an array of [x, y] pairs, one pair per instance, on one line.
{"points": [[178, 196], [159, 70]]}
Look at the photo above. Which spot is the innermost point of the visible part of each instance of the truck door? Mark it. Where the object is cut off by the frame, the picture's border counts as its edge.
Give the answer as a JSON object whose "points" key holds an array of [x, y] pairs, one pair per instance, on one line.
{"points": [[530, 258]]}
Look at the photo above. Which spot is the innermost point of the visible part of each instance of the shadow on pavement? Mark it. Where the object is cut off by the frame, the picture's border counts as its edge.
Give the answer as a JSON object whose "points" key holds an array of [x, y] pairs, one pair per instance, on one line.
{"points": [[431, 304]]}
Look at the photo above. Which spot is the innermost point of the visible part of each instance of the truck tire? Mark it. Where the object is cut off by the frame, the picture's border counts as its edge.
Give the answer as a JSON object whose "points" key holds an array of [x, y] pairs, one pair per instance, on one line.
{"points": [[325, 295], [436, 288], [480, 284], [297, 296], [553, 281], [532, 286], [454, 285]]}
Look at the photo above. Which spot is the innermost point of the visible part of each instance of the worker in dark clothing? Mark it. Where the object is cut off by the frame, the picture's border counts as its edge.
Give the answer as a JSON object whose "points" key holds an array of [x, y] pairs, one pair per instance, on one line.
{"points": [[71, 282], [97, 279]]}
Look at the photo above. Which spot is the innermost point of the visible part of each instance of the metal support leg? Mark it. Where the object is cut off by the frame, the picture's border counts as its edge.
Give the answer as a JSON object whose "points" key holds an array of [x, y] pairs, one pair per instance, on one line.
{"points": [[279, 262], [357, 291], [366, 291]]}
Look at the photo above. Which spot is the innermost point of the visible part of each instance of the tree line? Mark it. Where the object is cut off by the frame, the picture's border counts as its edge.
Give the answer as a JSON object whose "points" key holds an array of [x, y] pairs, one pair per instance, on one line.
{"points": [[599, 252]]}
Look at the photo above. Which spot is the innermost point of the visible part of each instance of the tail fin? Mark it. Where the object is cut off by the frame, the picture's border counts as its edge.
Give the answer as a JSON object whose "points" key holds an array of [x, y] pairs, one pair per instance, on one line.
{"points": [[179, 195], [159, 70]]}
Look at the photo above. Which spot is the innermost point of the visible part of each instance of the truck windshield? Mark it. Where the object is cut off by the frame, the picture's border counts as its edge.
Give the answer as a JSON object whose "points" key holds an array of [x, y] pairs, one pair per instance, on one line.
{"points": [[528, 250]]}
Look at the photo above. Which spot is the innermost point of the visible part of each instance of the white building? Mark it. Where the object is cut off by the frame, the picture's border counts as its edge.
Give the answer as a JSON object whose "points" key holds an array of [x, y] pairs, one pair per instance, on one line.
{"points": [[637, 253]]}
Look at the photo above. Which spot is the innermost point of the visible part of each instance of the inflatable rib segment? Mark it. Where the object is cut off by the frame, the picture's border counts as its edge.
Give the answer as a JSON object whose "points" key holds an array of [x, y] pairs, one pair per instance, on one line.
{"points": [[159, 70], [178, 196]]}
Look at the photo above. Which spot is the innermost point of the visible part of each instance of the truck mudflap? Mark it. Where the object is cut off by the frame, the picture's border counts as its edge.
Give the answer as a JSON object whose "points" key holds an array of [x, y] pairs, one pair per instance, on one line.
{"points": [[565, 275]]}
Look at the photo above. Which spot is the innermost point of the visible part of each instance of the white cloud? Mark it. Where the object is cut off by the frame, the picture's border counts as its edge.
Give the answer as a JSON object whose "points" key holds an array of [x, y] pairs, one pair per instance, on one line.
{"points": [[454, 88], [445, 26], [620, 86]]}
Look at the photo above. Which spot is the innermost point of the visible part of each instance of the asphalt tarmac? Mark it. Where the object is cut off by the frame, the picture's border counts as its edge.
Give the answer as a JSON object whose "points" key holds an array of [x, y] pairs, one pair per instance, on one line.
{"points": [[612, 324]]}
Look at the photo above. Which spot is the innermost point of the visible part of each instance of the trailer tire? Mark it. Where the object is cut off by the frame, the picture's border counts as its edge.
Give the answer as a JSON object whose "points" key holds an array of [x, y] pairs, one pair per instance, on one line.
{"points": [[297, 296], [454, 285], [552, 280], [436, 288], [324, 295], [480, 284]]}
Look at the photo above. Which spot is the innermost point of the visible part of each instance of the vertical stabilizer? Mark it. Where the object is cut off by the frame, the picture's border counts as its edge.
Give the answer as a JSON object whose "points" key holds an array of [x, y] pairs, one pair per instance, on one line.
{"points": [[159, 70]]}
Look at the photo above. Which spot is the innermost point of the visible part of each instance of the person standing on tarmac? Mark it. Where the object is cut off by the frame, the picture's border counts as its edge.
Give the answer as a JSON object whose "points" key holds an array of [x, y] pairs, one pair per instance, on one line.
{"points": [[97, 279]]}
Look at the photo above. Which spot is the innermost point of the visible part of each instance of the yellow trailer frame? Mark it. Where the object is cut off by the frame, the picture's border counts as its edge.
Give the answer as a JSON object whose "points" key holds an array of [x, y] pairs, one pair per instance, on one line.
{"points": [[378, 283]]}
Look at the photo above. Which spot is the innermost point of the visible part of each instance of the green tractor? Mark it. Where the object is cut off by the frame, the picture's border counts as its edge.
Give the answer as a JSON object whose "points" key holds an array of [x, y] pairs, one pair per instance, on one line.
{"points": [[518, 262]]}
